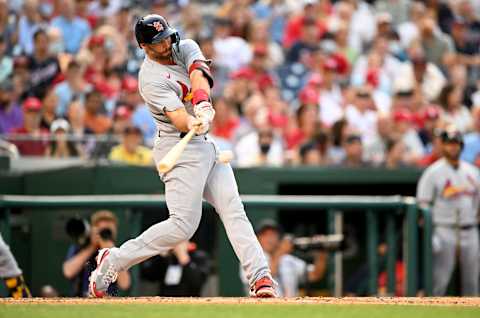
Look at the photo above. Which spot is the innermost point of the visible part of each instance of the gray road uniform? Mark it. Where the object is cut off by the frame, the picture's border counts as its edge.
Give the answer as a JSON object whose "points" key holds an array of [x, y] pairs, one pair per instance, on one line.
{"points": [[196, 175], [8, 265], [454, 195]]}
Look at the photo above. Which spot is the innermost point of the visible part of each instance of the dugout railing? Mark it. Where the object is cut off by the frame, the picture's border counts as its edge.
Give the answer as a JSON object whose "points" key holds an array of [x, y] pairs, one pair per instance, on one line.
{"points": [[414, 220]]}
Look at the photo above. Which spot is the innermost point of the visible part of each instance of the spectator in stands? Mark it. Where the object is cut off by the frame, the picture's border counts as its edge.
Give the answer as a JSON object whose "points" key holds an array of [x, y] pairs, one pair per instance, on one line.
{"points": [[404, 130], [43, 66], [453, 111], [288, 270], [122, 118], [232, 52], [11, 116], [362, 115], [259, 148], [259, 36], [353, 148], [74, 29], [49, 104], [331, 98], [28, 24], [471, 150], [61, 146], [141, 116], [31, 129], [73, 87], [225, 121], [8, 26], [130, 151], [6, 62], [77, 268], [103, 9], [435, 152], [296, 25], [96, 121], [394, 158], [438, 46], [306, 44]]}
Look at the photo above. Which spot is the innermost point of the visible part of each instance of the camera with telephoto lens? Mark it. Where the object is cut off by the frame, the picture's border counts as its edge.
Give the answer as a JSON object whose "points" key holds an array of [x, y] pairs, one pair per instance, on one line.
{"points": [[328, 243], [106, 234], [78, 230]]}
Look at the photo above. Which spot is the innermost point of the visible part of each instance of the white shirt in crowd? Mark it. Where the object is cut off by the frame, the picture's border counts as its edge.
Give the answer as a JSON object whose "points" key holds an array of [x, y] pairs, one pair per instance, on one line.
{"points": [[247, 152], [461, 119], [330, 103], [363, 122], [232, 52]]}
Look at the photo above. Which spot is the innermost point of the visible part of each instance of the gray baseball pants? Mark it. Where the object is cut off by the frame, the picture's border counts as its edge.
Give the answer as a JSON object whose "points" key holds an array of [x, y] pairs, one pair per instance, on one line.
{"points": [[8, 265], [444, 258], [196, 175]]}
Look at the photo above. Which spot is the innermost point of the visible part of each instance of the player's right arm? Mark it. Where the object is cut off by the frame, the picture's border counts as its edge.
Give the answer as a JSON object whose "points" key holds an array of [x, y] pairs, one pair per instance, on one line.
{"points": [[426, 189], [182, 120], [164, 96]]}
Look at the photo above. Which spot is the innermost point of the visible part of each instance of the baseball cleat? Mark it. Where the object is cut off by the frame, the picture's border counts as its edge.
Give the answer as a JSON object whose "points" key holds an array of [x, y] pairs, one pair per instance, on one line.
{"points": [[263, 288], [103, 276]]}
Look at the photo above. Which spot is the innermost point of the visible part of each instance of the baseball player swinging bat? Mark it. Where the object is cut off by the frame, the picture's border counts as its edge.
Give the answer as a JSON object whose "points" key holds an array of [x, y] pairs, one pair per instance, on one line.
{"points": [[175, 82]]}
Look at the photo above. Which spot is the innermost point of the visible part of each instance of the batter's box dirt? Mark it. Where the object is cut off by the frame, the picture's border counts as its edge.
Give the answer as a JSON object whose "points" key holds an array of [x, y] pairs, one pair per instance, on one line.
{"points": [[427, 301]]}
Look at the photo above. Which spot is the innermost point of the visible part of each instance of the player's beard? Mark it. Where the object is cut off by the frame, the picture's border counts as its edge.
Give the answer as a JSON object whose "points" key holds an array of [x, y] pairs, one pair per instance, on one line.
{"points": [[161, 56], [452, 154]]}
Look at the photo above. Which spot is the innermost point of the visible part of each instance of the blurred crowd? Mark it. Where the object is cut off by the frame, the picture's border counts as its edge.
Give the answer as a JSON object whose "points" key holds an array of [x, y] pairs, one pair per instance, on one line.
{"points": [[297, 82]]}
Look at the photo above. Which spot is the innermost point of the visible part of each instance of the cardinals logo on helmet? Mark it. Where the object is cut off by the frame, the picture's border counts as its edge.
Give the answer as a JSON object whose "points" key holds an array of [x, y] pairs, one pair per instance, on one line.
{"points": [[158, 26]]}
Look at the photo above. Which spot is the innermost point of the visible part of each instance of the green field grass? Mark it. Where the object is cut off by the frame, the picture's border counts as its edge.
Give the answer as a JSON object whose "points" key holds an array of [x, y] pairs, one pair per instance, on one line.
{"points": [[233, 311]]}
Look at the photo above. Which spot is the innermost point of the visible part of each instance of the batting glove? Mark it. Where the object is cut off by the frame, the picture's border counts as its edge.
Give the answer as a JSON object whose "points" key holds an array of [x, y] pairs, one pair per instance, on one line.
{"points": [[204, 110], [201, 125]]}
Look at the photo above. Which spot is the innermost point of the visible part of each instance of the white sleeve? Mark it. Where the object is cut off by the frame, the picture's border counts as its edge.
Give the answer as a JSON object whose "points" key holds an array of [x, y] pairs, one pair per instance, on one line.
{"points": [[190, 52]]}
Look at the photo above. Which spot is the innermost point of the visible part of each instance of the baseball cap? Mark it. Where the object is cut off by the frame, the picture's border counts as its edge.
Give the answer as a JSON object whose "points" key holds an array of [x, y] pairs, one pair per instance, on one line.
{"points": [[59, 124], [308, 95], [330, 64], [260, 50], [451, 134], [32, 104], [122, 112], [353, 138], [129, 84]]}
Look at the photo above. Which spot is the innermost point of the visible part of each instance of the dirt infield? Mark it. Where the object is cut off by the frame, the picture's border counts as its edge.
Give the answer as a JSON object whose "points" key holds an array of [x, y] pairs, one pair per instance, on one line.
{"points": [[427, 301]]}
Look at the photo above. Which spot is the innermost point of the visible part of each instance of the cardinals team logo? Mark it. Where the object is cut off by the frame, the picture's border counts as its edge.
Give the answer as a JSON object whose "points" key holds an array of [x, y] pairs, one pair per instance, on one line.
{"points": [[158, 26]]}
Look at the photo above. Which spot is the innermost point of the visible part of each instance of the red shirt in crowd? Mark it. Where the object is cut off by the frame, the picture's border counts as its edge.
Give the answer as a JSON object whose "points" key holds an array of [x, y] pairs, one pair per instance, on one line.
{"points": [[294, 29], [226, 129], [31, 147]]}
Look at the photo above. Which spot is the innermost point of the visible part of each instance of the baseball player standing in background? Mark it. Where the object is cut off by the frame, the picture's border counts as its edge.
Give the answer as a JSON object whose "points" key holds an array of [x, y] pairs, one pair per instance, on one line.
{"points": [[451, 188], [175, 82], [11, 273]]}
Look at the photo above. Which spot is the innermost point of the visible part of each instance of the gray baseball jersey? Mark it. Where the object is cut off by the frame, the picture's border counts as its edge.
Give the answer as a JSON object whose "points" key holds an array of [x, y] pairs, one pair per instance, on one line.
{"points": [[451, 191], [167, 87], [8, 265], [454, 194], [196, 175]]}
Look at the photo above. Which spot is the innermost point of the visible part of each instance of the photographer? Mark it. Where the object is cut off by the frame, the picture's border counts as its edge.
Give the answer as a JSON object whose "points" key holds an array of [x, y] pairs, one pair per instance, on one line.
{"points": [[288, 270], [80, 260]]}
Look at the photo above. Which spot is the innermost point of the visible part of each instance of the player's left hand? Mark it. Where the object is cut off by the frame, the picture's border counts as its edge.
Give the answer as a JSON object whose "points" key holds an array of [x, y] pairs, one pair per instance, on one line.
{"points": [[204, 110]]}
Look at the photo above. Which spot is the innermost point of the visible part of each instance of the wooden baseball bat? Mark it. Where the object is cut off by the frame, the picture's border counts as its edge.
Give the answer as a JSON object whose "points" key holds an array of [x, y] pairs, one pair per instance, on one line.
{"points": [[172, 156]]}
